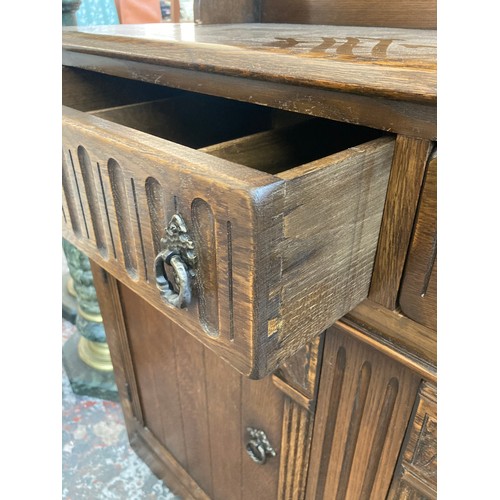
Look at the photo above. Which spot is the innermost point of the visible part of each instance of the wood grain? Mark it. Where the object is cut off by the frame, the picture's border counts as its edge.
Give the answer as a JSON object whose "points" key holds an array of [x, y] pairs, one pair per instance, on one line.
{"points": [[315, 249], [116, 335], [409, 118], [407, 173], [124, 151], [416, 476], [224, 12], [89, 91], [298, 376], [418, 297], [364, 405], [398, 330], [295, 451], [396, 13], [196, 408], [405, 70], [269, 244], [183, 119]]}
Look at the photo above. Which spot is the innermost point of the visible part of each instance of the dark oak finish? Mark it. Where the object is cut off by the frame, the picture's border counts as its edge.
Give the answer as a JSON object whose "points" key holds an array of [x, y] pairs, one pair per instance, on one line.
{"points": [[409, 118], [416, 476], [364, 404], [407, 173], [396, 13], [299, 158], [418, 298], [254, 271], [225, 12], [397, 71], [187, 411]]}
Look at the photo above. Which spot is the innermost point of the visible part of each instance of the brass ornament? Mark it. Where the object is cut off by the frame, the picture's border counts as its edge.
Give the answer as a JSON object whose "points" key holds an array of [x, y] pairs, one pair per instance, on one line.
{"points": [[177, 256], [95, 354], [258, 446]]}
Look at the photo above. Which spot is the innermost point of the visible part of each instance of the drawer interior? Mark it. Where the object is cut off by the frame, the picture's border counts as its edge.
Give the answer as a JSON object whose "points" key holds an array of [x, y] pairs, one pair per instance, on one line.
{"points": [[193, 120], [264, 139], [278, 150], [89, 91]]}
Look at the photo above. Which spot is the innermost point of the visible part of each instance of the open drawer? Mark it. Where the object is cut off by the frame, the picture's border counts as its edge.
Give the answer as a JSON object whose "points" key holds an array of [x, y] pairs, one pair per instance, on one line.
{"points": [[253, 229]]}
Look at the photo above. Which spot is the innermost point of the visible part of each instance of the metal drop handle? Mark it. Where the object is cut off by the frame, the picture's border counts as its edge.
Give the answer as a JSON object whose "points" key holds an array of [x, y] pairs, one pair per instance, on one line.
{"points": [[177, 256], [258, 446], [182, 297]]}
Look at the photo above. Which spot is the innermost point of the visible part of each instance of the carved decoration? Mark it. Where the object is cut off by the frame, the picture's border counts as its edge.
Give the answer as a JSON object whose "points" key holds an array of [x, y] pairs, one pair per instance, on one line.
{"points": [[177, 257]]}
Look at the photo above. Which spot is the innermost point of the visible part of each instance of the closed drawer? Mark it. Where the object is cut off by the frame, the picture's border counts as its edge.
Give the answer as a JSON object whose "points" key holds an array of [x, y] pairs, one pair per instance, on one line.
{"points": [[418, 298], [253, 230]]}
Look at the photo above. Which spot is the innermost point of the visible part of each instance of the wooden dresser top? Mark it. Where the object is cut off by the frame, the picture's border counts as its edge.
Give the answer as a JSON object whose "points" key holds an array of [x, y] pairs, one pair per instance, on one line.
{"points": [[399, 64]]}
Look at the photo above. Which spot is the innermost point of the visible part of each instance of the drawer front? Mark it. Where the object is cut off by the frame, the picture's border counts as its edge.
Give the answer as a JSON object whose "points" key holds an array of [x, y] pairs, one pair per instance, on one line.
{"points": [[121, 191], [267, 262], [418, 298], [416, 476]]}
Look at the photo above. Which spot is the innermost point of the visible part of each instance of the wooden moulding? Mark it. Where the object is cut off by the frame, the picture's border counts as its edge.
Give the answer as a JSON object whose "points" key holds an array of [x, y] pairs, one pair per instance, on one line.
{"points": [[284, 263], [418, 296], [416, 475], [364, 405], [379, 77], [392, 63], [409, 163], [413, 119]]}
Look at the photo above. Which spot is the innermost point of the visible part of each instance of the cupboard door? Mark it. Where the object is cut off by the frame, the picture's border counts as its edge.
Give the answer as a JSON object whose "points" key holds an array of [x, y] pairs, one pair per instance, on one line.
{"points": [[199, 408], [364, 404]]}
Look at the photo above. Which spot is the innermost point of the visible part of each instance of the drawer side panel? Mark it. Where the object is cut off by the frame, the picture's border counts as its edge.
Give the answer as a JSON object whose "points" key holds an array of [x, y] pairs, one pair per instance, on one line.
{"points": [[332, 219]]}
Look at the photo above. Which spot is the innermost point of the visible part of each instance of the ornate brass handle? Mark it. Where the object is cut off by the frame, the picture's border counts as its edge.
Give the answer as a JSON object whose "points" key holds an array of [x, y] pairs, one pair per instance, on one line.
{"points": [[176, 255], [258, 446]]}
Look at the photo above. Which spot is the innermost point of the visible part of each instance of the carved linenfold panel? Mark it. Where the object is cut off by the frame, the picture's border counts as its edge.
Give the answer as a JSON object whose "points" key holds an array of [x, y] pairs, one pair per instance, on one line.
{"points": [[128, 213], [70, 207], [123, 216], [364, 404], [92, 197], [298, 377], [295, 451], [417, 473]]}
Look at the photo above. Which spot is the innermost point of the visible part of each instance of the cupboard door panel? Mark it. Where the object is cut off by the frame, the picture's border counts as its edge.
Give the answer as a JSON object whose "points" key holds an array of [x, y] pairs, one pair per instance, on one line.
{"points": [[364, 404], [199, 408]]}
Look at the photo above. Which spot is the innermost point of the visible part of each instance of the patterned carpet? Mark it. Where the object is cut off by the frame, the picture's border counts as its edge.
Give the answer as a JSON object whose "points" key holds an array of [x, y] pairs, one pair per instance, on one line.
{"points": [[98, 462]]}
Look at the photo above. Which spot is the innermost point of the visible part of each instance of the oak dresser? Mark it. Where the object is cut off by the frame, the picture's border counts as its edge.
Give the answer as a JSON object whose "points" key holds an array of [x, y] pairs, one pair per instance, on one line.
{"points": [[257, 195]]}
